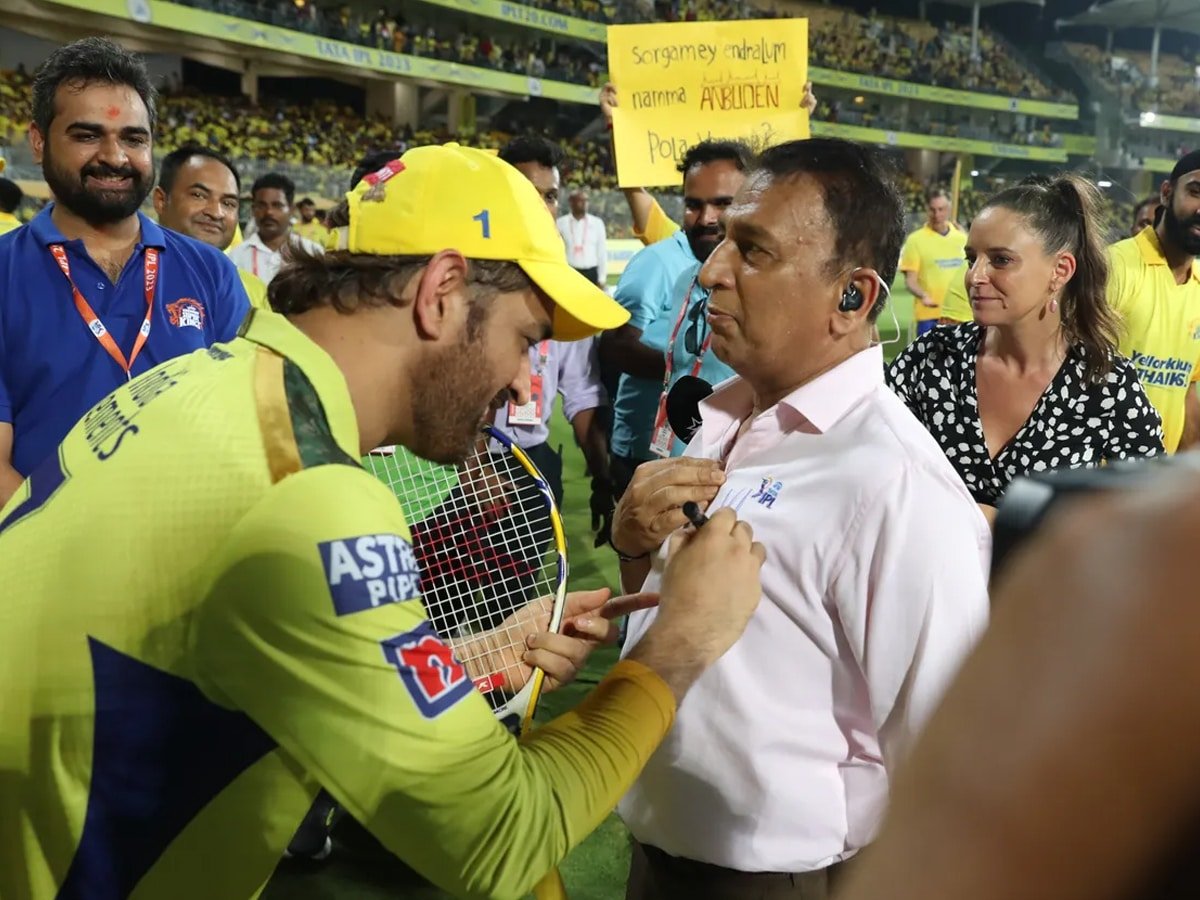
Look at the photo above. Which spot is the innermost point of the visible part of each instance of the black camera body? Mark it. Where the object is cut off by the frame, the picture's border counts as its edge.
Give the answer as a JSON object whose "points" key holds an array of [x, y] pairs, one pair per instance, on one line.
{"points": [[1029, 498]]}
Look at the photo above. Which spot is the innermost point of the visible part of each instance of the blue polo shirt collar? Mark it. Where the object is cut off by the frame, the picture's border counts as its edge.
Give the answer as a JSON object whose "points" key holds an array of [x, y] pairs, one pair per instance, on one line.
{"points": [[47, 232]]}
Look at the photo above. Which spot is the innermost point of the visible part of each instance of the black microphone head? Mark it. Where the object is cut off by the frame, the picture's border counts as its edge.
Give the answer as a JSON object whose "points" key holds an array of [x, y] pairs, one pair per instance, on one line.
{"points": [[683, 405]]}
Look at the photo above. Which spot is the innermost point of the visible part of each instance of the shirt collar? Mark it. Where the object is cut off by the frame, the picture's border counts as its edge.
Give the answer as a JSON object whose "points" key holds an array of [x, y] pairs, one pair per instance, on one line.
{"points": [[680, 238], [47, 232], [953, 228], [274, 331], [821, 402], [255, 241], [1152, 253]]}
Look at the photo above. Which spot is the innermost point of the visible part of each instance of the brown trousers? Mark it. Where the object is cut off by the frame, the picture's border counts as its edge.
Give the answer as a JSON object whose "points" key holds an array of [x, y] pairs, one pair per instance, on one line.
{"points": [[655, 875]]}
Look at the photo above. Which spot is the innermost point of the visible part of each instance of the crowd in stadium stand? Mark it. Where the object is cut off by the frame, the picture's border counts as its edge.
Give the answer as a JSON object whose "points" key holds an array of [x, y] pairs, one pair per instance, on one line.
{"points": [[945, 120], [907, 50], [840, 39], [416, 35], [318, 144], [1126, 73]]}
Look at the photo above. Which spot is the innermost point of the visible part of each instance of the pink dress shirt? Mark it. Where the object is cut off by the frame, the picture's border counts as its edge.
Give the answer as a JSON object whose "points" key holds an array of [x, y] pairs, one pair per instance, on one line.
{"points": [[874, 588]]}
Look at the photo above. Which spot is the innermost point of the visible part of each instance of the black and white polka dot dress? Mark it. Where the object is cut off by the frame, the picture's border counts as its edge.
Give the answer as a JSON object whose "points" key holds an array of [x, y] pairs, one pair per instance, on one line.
{"points": [[1074, 424]]}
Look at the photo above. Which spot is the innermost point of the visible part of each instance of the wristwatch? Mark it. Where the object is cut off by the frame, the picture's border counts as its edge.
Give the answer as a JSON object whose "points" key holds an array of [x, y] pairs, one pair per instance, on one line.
{"points": [[625, 557]]}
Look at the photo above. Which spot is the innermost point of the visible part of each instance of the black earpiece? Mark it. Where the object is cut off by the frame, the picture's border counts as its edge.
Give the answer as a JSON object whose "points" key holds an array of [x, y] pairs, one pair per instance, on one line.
{"points": [[852, 299]]}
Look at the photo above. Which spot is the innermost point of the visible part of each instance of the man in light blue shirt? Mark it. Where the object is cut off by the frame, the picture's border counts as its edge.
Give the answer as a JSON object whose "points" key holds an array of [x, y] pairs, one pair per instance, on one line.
{"points": [[713, 171], [690, 353]]}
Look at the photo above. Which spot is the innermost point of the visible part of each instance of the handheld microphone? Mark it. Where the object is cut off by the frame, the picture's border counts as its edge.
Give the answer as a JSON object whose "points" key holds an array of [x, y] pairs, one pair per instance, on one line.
{"points": [[683, 405]]}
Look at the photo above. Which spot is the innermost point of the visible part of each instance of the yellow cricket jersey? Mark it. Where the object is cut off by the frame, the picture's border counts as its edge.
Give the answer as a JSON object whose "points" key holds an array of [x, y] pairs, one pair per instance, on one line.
{"points": [[935, 258], [210, 609], [956, 304], [659, 226], [8, 222], [255, 289], [1160, 329], [313, 230]]}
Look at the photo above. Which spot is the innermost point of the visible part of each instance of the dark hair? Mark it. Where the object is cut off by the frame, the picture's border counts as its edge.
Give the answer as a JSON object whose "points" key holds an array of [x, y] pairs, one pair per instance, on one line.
{"points": [[861, 199], [307, 201], [275, 181], [1148, 201], [10, 195], [707, 152], [530, 148], [933, 193], [372, 162], [91, 60], [1064, 212], [173, 162], [352, 281]]}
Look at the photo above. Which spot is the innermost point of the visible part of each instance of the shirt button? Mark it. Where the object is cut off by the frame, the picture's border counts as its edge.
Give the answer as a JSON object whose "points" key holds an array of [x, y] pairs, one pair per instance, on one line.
{"points": [[100, 285]]}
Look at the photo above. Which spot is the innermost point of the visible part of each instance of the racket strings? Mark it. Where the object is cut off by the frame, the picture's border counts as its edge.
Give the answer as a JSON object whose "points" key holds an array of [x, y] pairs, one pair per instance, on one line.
{"points": [[483, 535]]}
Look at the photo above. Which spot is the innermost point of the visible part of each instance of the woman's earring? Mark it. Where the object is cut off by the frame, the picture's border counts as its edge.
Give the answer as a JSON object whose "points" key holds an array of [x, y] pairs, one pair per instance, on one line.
{"points": [[1054, 305]]}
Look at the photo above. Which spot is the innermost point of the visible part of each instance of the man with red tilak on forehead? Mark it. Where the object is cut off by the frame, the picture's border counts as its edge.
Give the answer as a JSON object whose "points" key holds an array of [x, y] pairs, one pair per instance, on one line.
{"points": [[93, 292]]}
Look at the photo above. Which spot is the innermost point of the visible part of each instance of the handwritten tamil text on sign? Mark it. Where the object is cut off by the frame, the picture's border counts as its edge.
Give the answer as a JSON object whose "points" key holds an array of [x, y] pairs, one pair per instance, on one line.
{"points": [[680, 84]]}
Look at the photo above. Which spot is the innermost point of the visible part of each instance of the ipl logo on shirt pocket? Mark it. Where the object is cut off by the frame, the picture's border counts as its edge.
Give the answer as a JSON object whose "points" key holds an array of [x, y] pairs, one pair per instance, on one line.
{"points": [[768, 492]]}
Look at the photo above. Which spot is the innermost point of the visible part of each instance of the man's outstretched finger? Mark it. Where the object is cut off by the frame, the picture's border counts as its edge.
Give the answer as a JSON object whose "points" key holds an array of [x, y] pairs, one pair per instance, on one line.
{"points": [[629, 603]]}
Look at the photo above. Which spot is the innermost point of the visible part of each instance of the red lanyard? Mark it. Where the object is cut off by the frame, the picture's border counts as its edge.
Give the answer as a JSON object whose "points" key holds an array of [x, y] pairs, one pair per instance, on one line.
{"points": [[95, 326], [254, 260], [543, 356], [670, 360], [579, 244]]}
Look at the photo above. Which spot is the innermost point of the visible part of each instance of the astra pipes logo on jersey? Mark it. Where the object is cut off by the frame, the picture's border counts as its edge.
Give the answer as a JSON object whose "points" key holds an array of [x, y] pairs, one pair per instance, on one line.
{"points": [[369, 571]]}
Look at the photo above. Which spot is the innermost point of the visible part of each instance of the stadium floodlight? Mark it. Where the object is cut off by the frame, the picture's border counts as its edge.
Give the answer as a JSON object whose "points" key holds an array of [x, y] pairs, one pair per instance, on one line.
{"points": [[974, 173], [1104, 184], [1147, 118]]}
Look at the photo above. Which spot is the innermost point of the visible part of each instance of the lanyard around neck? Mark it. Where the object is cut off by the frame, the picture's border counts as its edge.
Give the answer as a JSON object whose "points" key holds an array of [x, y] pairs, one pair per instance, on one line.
{"points": [[95, 326]]}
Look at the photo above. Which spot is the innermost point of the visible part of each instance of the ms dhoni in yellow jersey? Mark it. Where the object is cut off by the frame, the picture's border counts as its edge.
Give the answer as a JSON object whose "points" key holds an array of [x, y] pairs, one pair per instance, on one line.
{"points": [[1154, 286], [212, 609], [932, 257]]}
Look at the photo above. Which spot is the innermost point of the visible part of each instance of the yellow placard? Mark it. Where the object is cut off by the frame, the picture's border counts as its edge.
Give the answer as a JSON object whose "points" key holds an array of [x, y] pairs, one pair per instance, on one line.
{"points": [[682, 83]]}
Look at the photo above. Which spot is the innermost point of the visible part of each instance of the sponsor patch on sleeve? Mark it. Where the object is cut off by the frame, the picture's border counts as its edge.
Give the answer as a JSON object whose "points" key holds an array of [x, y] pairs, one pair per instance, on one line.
{"points": [[432, 676], [369, 571]]}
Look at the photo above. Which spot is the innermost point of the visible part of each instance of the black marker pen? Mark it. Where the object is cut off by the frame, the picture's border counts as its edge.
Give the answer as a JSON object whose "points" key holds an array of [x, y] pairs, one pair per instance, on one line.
{"points": [[691, 509]]}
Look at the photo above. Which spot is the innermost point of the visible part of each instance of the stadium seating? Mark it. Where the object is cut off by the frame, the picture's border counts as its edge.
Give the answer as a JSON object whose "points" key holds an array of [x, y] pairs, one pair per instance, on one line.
{"points": [[840, 39], [317, 145], [1126, 73]]}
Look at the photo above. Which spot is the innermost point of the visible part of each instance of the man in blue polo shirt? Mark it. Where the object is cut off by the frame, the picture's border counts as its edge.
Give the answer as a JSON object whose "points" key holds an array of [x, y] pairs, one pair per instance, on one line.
{"points": [[713, 171], [92, 292], [683, 330]]}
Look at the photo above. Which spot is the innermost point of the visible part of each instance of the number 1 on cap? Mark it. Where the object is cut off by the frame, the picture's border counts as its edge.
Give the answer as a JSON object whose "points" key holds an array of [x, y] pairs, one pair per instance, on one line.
{"points": [[482, 219]]}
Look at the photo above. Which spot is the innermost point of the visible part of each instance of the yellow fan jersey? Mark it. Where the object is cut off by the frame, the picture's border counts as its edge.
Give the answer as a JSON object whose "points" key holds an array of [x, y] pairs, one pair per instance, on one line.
{"points": [[209, 610], [255, 289], [659, 226], [1160, 325], [936, 259], [956, 304], [313, 231]]}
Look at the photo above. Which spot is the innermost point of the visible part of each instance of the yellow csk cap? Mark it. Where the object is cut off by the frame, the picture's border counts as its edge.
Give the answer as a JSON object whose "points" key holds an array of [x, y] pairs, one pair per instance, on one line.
{"points": [[449, 197]]}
